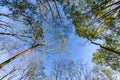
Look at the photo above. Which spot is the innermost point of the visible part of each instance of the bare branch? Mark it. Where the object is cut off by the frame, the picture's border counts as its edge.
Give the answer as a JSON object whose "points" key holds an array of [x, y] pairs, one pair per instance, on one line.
{"points": [[116, 3], [57, 9], [51, 10], [4, 23], [11, 17], [106, 48], [43, 4], [2, 33]]}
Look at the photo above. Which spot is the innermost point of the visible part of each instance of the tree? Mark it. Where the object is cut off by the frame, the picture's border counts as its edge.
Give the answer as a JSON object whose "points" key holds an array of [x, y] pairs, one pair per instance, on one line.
{"points": [[35, 71], [95, 21], [12, 71], [63, 70], [32, 25], [103, 73], [67, 69], [34, 16]]}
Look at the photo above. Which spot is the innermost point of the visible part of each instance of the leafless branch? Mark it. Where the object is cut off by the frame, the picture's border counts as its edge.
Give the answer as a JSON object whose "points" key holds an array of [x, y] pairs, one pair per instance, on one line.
{"points": [[57, 9], [106, 48], [11, 34], [43, 4], [10, 17], [116, 3], [51, 10]]}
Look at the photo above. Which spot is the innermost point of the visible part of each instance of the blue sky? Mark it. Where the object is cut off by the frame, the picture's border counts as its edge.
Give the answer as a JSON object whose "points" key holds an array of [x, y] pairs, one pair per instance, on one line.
{"points": [[77, 51]]}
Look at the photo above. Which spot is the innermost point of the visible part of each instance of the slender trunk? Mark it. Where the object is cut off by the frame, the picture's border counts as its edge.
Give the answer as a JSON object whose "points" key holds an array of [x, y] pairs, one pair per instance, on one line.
{"points": [[14, 57], [56, 76], [27, 51], [60, 75]]}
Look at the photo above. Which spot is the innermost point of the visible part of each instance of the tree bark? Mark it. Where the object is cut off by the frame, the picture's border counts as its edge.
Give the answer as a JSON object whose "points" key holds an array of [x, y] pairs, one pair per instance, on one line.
{"points": [[27, 51], [14, 57]]}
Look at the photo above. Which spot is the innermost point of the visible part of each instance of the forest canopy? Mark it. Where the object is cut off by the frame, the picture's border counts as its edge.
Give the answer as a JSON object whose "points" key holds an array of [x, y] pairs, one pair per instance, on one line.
{"points": [[45, 26]]}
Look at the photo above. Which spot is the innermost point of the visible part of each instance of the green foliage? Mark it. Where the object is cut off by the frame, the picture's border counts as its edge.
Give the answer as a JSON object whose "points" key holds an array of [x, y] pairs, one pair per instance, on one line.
{"points": [[87, 32], [110, 22], [97, 20], [107, 58], [109, 73], [103, 73]]}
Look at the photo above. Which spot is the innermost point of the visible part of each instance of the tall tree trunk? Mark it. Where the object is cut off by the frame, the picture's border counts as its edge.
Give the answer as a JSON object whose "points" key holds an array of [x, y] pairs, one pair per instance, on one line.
{"points": [[27, 51], [14, 57]]}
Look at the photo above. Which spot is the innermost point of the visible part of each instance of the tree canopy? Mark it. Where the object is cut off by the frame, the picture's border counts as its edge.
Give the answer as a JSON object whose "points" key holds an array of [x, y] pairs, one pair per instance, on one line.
{"points": [[98, 22], [47, 24]]}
